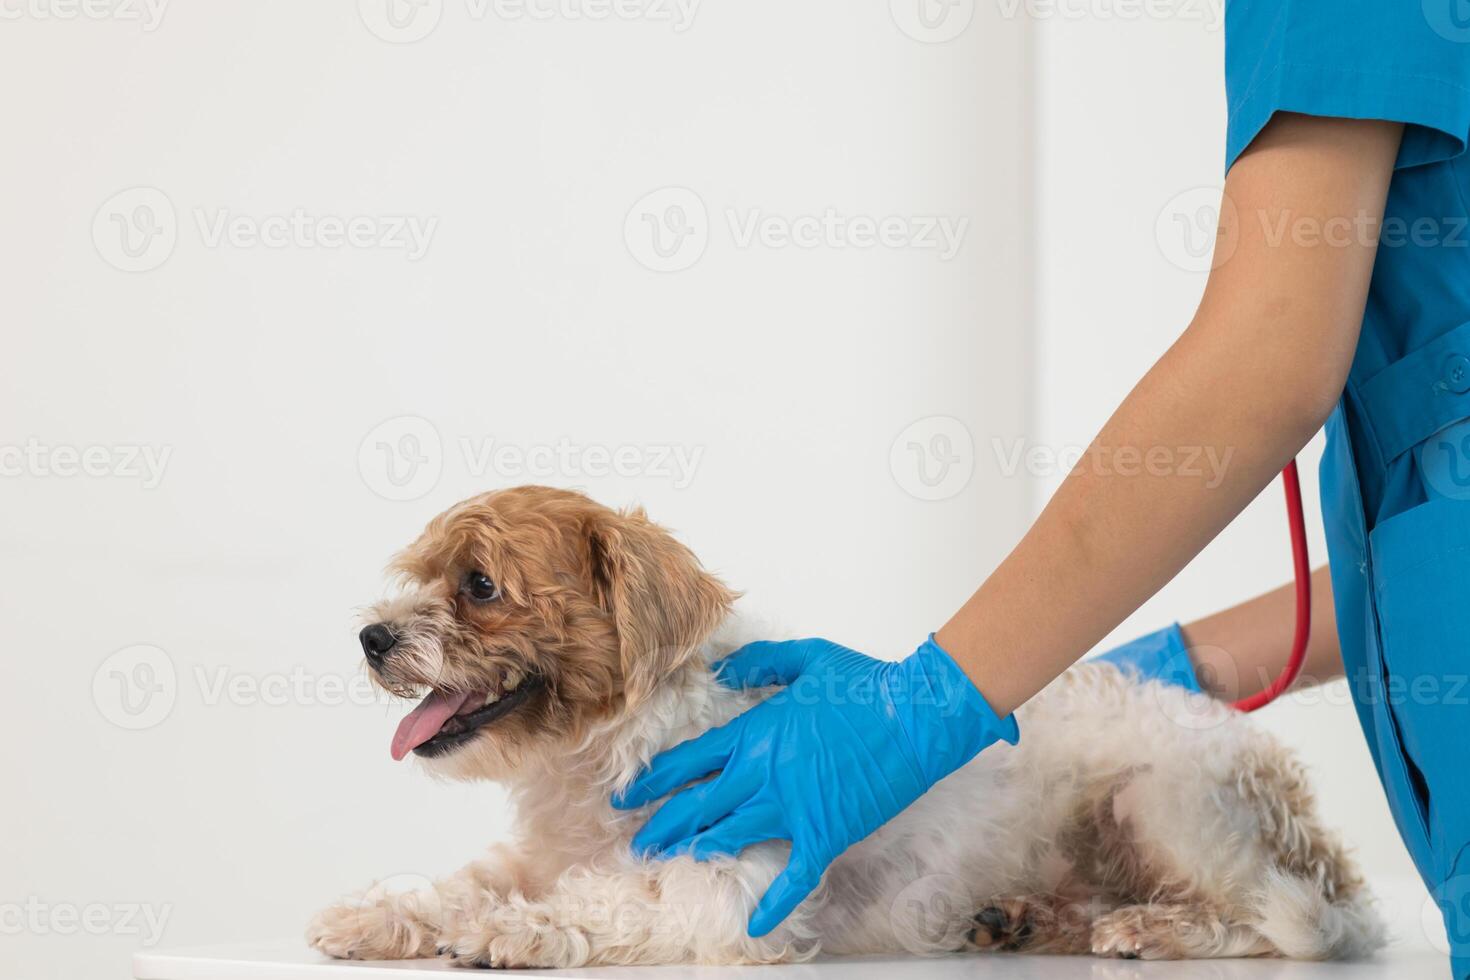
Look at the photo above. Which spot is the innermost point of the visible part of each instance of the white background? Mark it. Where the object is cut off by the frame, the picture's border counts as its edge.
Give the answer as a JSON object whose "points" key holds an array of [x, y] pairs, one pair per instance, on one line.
{"points": [[215, 778]]}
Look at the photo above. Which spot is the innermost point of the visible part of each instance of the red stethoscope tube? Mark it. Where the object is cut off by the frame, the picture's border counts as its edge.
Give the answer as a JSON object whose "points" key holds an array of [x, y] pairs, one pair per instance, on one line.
{"points": [[1301, 566]]}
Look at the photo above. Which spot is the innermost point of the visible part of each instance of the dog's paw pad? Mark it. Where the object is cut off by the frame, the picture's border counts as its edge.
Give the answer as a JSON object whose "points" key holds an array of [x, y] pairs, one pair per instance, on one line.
{"points": [[1002, 926], [474, 963]]}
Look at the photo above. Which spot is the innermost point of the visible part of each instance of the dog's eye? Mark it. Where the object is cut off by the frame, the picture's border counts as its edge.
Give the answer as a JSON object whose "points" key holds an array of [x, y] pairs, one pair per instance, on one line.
{"points": [[477, 586]]}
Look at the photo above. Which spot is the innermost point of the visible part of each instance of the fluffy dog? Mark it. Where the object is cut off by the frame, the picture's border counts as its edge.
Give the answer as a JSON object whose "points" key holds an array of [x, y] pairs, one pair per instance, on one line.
{"points": [[558, 645]]}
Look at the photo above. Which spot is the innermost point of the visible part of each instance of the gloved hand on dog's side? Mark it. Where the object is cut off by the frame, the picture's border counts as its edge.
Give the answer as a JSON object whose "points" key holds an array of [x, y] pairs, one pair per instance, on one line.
{"points": [[848, 744]]}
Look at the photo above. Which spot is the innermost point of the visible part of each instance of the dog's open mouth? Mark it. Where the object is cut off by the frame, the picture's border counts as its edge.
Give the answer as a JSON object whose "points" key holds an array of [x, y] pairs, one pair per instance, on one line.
{"points": [[443, 721]]}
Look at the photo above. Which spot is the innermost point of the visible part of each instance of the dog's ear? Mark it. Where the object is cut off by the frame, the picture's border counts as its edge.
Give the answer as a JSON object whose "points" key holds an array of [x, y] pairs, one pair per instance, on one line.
{"points": [[662, 601]]}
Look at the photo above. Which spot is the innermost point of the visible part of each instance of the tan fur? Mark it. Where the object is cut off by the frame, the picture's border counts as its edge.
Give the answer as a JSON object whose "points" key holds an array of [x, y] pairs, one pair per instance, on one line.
{"points": [[599, 603], [1110, 829]]}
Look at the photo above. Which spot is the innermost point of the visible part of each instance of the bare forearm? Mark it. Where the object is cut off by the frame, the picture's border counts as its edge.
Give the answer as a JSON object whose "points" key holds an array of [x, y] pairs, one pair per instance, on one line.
{"points": [[1113, 535], [1249, 382], [1241, 650]]}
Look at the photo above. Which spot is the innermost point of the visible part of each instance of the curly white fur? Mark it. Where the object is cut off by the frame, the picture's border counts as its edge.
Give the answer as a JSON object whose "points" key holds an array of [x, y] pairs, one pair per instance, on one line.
{"points": [[1212, 822]]}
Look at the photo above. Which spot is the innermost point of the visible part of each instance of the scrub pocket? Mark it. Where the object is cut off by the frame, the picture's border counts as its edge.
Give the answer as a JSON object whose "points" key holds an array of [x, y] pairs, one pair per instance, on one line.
{"points": [[1421, 562], [1355, 598]]}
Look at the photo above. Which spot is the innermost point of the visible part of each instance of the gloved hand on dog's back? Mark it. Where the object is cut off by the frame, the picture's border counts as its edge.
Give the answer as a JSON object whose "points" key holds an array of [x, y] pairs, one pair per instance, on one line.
{"points": [[1160, 656], [844, 748]]}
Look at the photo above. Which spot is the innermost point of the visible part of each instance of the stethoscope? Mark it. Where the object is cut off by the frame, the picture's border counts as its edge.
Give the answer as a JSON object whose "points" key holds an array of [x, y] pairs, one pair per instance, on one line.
{"points": [[1298, 524]]}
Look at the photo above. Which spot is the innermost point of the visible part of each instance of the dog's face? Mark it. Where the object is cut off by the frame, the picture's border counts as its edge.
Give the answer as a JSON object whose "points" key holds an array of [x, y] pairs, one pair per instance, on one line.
{"points": [[529, 614]]}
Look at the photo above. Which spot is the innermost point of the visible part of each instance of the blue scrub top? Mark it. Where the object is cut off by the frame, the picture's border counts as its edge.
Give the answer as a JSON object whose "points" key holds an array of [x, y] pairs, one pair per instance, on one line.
{"points": [[1396, 472]]}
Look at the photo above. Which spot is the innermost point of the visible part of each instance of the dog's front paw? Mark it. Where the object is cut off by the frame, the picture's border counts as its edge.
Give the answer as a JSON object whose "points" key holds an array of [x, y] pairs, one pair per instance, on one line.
{"points": [[516, 937], [367, 929]]}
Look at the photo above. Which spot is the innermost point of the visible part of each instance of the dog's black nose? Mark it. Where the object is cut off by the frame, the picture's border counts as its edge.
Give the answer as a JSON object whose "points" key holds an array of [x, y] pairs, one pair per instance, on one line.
{"points": [[377, 640]]}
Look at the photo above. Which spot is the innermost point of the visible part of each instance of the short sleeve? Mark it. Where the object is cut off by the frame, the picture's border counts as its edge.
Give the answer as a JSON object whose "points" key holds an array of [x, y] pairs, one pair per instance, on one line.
{"points": [[1405, 61]]}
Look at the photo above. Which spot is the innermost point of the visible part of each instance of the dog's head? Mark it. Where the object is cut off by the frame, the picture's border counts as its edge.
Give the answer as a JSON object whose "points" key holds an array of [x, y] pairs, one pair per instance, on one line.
{"points": [[527, 615]]}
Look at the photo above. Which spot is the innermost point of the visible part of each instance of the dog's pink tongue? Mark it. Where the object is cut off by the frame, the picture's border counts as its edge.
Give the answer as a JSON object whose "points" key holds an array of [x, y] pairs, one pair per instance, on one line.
{"points": [[424, 722]]}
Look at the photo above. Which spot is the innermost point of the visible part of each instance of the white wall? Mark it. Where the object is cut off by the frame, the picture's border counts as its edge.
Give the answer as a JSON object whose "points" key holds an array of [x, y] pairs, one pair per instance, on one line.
{"points": [[250, 794], [1131, 122]]}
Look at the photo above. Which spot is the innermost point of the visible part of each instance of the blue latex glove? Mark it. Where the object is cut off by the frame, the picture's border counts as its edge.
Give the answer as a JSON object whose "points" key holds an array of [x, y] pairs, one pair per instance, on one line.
{"points": [[1159, 656], [848, 744]]}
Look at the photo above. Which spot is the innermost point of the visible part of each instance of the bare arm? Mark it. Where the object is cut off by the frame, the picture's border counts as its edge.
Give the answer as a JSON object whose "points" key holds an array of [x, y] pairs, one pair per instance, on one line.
{"points": [[1254, 376], [1241, 650]]}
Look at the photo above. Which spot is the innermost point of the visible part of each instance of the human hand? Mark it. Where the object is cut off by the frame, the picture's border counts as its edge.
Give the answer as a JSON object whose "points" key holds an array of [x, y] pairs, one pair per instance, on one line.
{"points": [[845, 747], [1159, 656]]}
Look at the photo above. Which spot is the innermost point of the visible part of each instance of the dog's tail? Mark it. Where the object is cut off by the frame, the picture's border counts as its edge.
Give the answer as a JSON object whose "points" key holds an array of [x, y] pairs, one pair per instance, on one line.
{"points": [[1296, 917]]}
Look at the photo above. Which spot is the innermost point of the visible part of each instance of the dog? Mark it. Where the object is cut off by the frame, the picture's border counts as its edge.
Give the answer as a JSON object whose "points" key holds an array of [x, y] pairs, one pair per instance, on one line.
{"points": [[558, 645]]}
